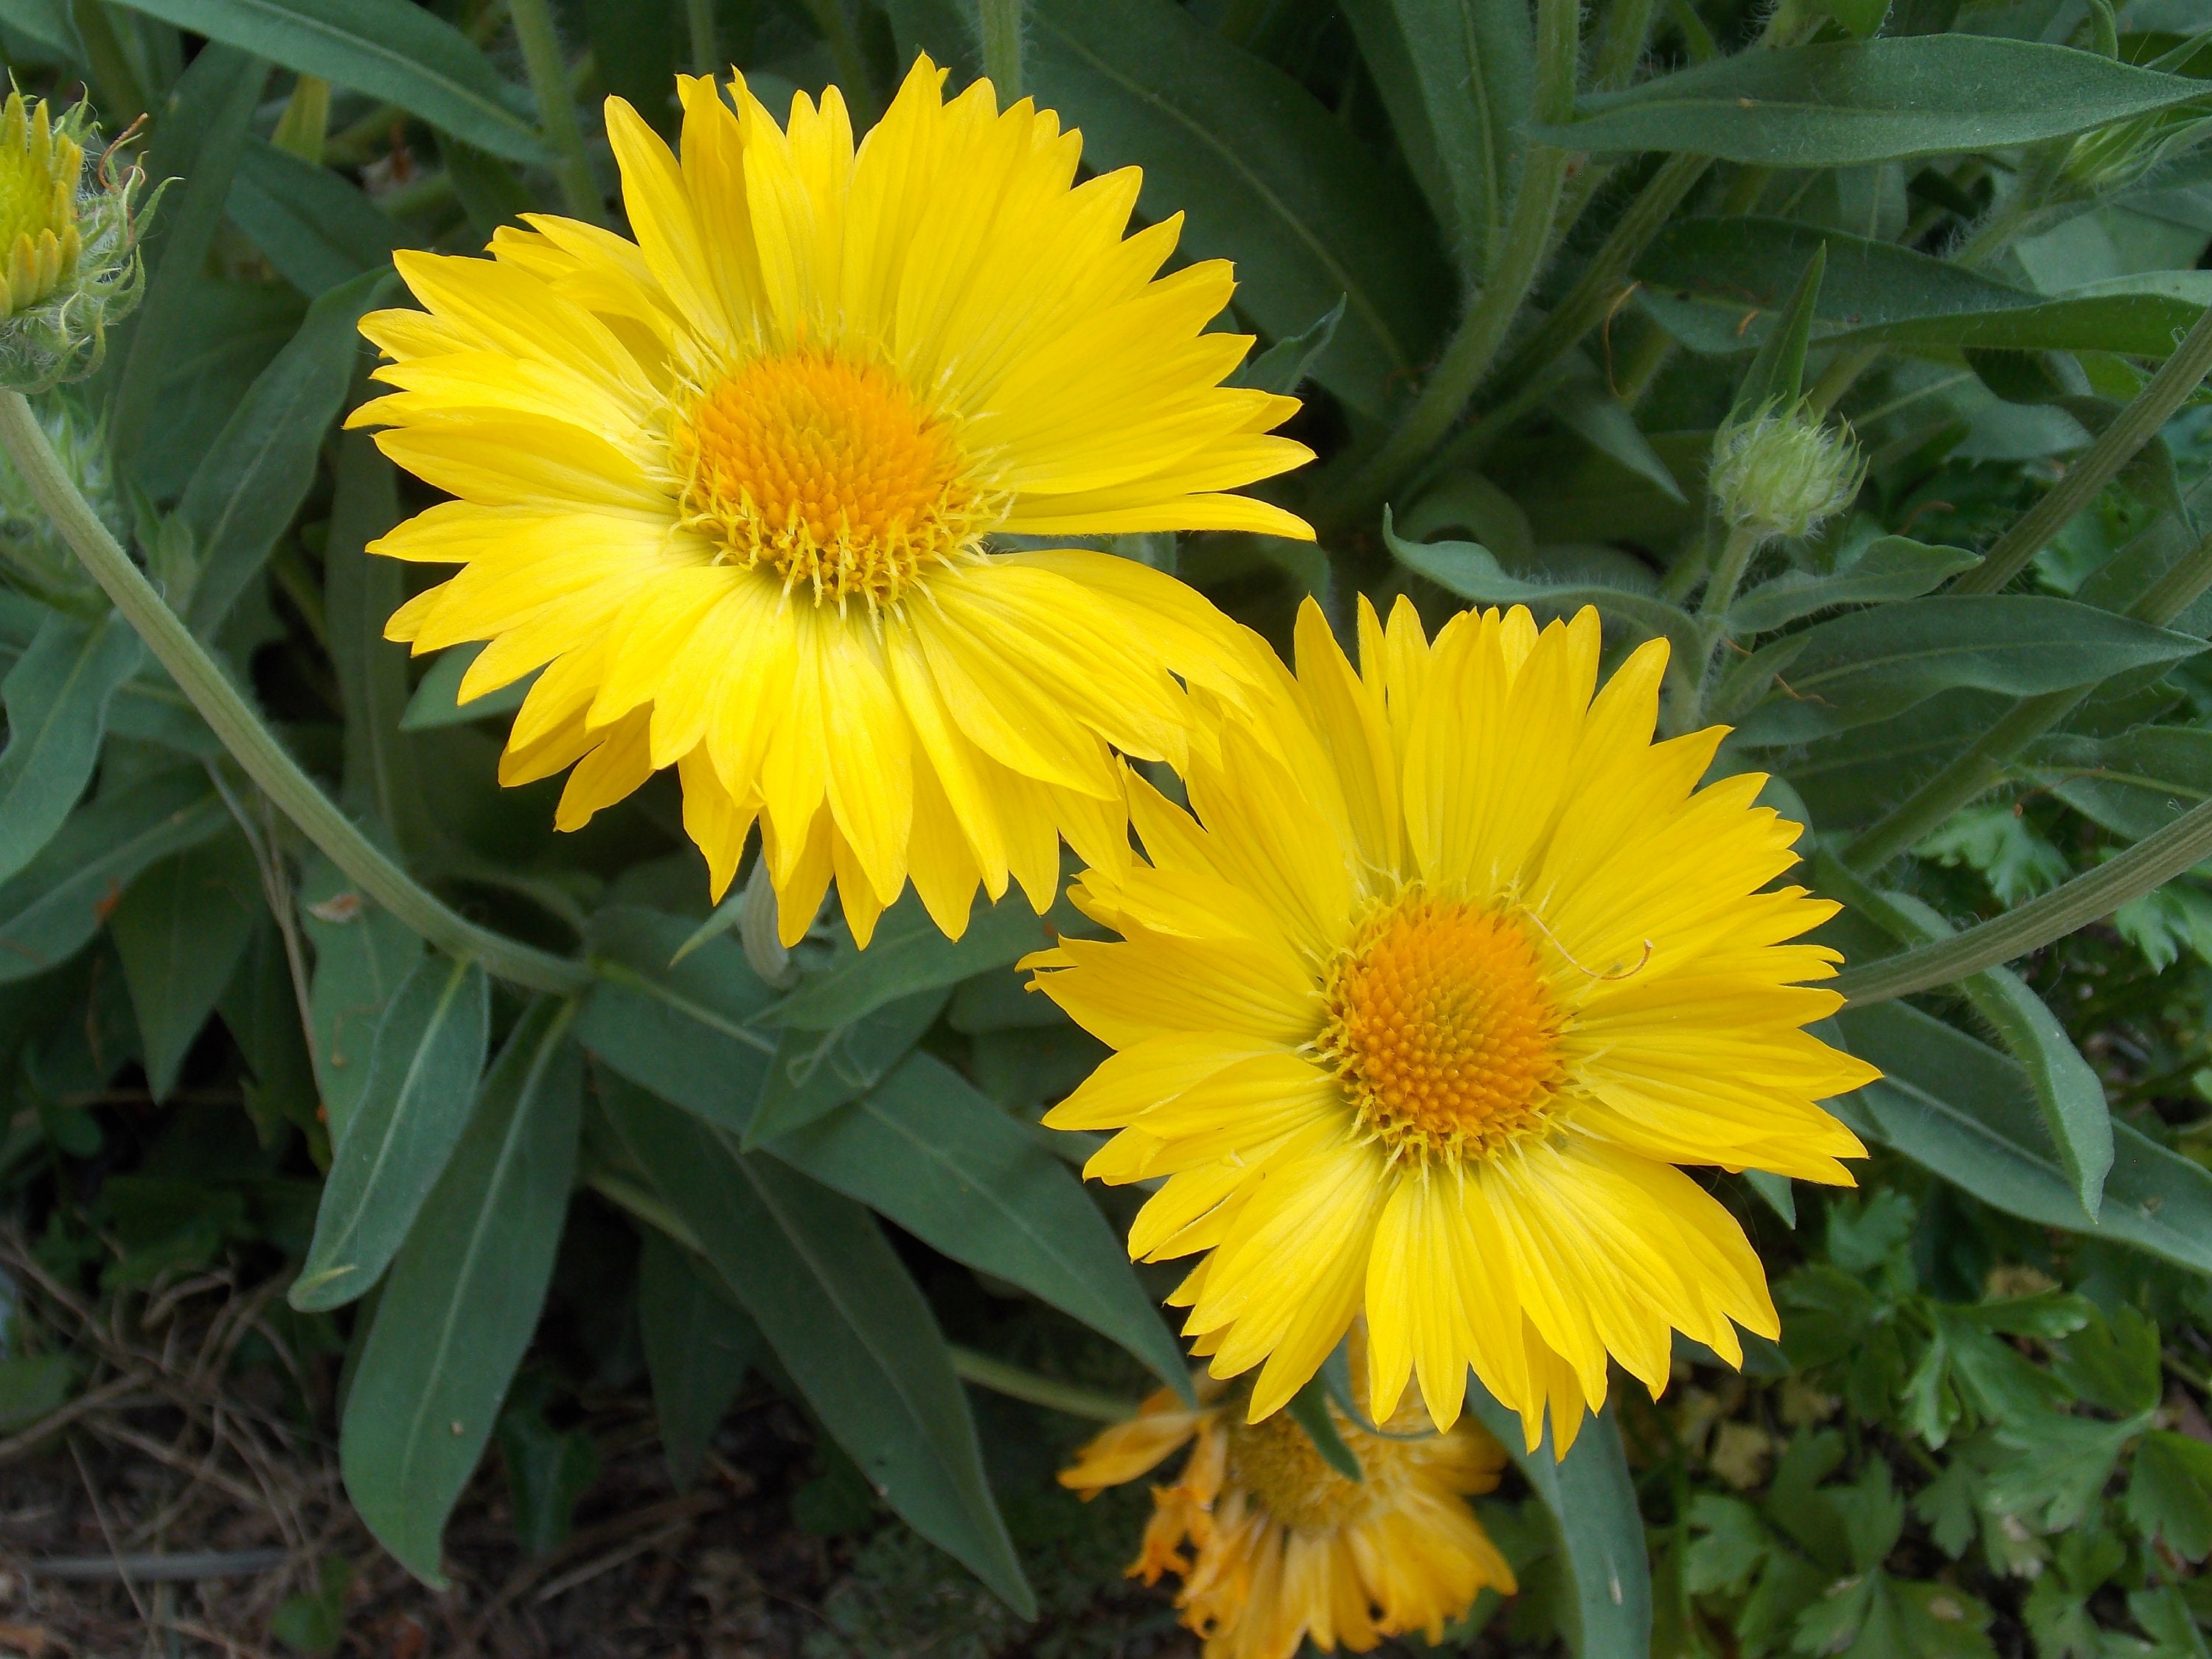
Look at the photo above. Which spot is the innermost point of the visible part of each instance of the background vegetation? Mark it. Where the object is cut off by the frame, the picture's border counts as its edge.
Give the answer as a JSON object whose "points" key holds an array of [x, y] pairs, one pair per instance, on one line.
{"points": [[1532, 269]]}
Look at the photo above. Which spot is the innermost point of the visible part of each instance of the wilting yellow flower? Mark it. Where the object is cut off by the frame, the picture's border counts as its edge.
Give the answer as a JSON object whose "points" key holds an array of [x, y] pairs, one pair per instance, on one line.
{"points": [[731, 482], [1274, 1546], [1460, 967]]}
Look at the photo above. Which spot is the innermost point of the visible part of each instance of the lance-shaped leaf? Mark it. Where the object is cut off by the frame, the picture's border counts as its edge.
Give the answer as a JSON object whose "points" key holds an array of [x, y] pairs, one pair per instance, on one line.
{"points": [[843, 1317], [1887, 568], [1592, 1502], [1269, 178], [1870, 664], [931, 1154], [698, 1345], [1777, 375], [317, 229], [1848, 104], [406, 55], [57, 696], [422, 1072], [1959, 1107], [910, 955], [464, 1297], [180, 929]]}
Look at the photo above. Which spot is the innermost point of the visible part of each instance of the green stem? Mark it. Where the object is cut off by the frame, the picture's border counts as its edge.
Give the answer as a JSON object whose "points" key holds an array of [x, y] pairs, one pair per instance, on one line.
{"points": [[1843, 369], [2168, 390], [250, 742], [2150, 863], [122, 100], [837, 28], [1016, 1383], [1983, 764], [1467, 356], [1621, 45], [1599, 287], [1735, 557], [1001, 23], [700, 15], [556, 109]]}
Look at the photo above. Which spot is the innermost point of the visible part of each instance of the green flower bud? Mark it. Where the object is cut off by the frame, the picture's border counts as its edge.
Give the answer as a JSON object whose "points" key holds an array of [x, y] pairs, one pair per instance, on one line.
{"points": [[1783, 472], [33, 558], [2112, 158], [69, 247]]}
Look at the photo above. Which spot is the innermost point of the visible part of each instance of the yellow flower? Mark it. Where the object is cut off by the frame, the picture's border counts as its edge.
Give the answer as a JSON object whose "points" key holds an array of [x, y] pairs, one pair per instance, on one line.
{"points": [[40, 165], [1460, 967], [1274, 1546], [731, 482]]}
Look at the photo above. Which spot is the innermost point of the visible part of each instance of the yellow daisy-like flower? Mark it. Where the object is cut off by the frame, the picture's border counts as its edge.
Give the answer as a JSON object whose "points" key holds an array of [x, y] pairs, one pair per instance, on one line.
{"points": [[1460, 966], [1274, 1546], [730, 485]]}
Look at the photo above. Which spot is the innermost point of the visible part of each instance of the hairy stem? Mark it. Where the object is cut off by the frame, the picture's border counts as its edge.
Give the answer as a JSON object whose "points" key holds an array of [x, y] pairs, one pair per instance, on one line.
{"points": [[250, 743], [1467, 358], [2151, 862], [2099, 464], [1982, 767], [556, 109], [699, 21]]}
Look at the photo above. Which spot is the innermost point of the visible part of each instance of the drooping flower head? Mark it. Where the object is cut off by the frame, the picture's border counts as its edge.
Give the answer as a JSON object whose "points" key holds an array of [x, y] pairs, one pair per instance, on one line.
{"points": [[1274, 1547], [731, 485], [69, 247], [1460, 966]]}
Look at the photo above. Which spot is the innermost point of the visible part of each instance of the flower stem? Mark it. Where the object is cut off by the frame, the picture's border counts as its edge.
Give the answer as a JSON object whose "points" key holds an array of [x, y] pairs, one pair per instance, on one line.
{"points": [[699, 16], [1982, 767], [1735, 557], [2151, 862], [556, 109], [250, 742], [2137, 423], [1467, 356], [1001, 21], [1016, 1383]]}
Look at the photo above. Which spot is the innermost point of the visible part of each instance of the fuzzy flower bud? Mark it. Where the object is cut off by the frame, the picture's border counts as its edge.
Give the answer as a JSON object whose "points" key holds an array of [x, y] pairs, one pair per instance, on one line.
{"points": [[2110, 159], [1783, 472], [33, 558], [69, 247]]}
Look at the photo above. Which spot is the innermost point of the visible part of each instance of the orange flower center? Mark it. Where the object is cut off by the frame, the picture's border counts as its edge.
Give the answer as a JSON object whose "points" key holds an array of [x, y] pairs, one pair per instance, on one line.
{"points": [[827, 470], [1442, 1029]]}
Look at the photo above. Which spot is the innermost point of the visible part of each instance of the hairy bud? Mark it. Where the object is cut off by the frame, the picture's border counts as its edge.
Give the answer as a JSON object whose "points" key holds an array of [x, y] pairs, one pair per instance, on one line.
{"points": [[33, 558], [68, 246], [1783, 472]]}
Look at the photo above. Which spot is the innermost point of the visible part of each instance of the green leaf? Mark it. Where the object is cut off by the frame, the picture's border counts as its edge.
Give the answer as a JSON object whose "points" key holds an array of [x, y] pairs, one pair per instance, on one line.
{"points": [[1592, 1502], [2134, 784], [405, 54], [57, 696], [548, 1472], [317, 229], [31, 1388], [639, 51], [908, 955], [257, 471], [687, 1031], [1718, 286], [1968, 1112], [52, 910], [1282, 368], [935, 1156], [436, 700], [1471, 572], [422, 1074], [363, 954], [2068, 1090], [1886, 568], [815, 1073], [1587, 407], [200, 129], [1269, 178], [845, 1320], [463, 1298], [2169, 1494], [1777, 375], [180, 930], [315, 1623], [698, 1345], [1855, 670], [1458, 79], [1309, 1410], [1848, 104]]}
